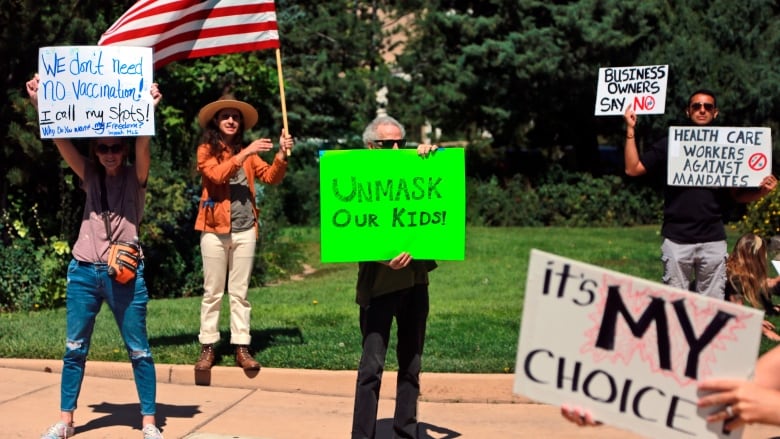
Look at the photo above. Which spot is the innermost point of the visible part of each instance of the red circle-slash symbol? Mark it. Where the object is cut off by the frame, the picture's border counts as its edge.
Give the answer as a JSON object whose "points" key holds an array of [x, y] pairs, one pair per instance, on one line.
{"points": [[757, 161], [649, 102]]}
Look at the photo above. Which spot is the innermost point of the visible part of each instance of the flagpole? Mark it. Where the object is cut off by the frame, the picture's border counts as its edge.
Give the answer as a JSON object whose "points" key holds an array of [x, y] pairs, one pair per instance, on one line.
{"points": [[281, 93]]}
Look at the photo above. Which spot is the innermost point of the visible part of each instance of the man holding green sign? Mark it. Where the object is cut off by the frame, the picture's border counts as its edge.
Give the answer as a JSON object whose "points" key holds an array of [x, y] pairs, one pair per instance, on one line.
{"points": [[393, 200], [398, 288]]}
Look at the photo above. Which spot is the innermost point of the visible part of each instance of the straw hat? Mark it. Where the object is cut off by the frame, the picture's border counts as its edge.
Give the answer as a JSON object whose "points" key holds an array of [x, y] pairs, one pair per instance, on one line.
{"points": [[248, 112]]}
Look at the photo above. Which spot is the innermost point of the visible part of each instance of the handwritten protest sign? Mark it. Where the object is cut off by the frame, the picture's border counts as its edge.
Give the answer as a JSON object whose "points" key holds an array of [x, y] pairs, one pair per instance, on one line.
{"points": [[719, 156], [643, 87], [628, 349], [375, 204], [95, 91]]}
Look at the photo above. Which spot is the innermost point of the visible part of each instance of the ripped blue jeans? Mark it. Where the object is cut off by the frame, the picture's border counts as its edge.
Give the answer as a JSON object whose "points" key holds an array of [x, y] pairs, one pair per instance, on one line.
{"points": [[88, 287]]}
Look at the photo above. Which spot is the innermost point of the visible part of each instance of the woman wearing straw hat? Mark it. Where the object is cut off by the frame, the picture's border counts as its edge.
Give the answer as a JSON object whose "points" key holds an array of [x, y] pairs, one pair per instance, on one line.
{"points": [[227, 219]]}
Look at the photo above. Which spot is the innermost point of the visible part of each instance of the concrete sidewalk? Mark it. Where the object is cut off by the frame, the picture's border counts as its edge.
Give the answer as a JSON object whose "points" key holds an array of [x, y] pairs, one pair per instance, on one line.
{"points": [[276, 404]]}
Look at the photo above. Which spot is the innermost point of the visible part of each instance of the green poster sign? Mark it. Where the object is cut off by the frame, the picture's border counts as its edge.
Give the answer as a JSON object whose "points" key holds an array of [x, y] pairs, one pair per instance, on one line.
{"points": [[375, 204]]}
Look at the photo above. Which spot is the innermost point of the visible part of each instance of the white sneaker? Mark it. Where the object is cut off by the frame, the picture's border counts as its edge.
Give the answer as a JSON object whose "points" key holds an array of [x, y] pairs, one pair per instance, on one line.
{"points": [[59, 430], [150, 431]]}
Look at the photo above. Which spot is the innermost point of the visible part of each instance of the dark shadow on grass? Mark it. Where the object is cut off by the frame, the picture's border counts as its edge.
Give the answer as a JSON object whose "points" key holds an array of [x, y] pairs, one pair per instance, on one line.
{"points": [[327, 270], [384, 430], [130, 415], [224, 352], [261, 340]]}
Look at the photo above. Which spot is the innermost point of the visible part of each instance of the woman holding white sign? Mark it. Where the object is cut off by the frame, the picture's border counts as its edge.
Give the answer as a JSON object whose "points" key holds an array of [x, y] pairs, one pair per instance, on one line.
{"points": [[112, 215]]}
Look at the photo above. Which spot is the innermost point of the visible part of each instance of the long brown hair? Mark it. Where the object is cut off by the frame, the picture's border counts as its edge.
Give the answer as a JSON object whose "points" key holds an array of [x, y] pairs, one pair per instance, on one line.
{"points": [[747, 269], [213, 136]]}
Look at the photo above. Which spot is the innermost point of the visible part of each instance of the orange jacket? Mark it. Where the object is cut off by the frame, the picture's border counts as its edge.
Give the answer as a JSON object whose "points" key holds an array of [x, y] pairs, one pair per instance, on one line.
{"points": [[214, 206]]}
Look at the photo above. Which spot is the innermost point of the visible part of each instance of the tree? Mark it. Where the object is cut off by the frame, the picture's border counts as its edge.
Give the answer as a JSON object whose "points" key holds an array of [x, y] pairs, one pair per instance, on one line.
{"points": [[31, 169], [728, 47], [525, 71], [522, 71], [332, 62]]}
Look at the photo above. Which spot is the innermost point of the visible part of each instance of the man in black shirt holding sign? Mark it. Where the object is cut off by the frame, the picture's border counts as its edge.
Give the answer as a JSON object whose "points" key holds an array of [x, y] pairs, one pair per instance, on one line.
{"points": [[694, 247]]}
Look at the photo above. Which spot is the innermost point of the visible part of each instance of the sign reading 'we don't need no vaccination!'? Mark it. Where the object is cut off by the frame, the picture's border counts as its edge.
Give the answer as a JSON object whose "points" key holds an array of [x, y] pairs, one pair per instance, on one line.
{"points": [[95, 91]]}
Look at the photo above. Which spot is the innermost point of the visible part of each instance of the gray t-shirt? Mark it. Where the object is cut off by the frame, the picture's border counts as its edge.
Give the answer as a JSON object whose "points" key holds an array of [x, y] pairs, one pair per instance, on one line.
{"points": [[125, 204], [242, 215]]}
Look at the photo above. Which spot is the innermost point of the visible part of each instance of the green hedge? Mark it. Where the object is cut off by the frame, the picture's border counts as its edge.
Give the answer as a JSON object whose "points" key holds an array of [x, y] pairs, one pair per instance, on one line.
{"points": [[762, 217], [32, 270], [562, 198]]}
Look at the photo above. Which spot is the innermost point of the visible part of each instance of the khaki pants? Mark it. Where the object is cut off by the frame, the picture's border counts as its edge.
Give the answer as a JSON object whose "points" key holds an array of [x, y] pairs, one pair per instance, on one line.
{"points": [[226, 257], [703, 263]]}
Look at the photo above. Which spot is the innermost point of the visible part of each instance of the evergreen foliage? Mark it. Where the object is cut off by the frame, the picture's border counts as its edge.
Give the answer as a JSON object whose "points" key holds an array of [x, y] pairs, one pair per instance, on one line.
{"points": [[513, 81]]}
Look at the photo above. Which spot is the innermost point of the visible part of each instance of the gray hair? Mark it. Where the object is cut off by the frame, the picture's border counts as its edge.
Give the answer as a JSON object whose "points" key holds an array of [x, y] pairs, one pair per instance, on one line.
{"points": [[369, 134]]}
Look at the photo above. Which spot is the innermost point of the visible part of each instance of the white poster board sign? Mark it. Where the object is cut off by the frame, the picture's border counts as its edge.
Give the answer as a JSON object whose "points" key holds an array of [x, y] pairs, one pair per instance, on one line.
{"points": [[708, 156], [629, 350], [643, 87], [95, 91]]}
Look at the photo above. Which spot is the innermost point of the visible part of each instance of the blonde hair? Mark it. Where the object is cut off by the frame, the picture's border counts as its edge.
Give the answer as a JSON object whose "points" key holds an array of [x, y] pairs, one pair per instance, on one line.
{"points": [[747, 269]]}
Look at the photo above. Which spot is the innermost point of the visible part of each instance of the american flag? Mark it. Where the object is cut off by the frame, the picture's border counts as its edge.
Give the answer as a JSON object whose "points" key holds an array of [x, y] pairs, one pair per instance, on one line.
{"points": [[182, 29]]}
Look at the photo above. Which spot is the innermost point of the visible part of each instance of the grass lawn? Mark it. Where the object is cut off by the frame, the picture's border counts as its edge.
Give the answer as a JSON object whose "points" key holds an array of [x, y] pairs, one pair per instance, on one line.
{"points": [[474, 321]]}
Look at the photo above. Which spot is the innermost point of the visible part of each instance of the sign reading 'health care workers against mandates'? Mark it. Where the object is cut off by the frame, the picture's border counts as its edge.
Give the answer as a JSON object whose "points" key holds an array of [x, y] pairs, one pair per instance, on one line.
{"points": [[629, 350], [719, 156], [95, 91], [377, 203], [641, 87]]}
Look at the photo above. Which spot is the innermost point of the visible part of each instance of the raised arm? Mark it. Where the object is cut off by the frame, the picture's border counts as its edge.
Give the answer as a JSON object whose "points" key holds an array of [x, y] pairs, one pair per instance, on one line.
{"points": [[67, 149], [633, 165], [143, 155], [768, 369]]}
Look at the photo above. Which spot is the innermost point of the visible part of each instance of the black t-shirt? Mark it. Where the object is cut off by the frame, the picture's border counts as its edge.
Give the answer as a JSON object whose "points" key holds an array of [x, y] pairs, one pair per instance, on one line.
{"points": [[691, 214]]}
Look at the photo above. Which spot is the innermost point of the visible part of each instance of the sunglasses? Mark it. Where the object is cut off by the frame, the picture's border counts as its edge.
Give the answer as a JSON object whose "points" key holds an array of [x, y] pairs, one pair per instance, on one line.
{"points": [[696, 106], [113, 149], [388, 143], [234, 116]]}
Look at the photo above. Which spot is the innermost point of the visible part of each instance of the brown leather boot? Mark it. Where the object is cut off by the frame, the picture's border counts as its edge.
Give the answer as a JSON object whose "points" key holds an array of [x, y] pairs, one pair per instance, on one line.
{"points": [[206, 359], [244, 359]]}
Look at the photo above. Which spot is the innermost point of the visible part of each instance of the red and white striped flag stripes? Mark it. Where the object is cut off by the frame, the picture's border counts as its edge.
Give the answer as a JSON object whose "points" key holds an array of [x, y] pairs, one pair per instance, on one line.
{"points": [[182, 29]]}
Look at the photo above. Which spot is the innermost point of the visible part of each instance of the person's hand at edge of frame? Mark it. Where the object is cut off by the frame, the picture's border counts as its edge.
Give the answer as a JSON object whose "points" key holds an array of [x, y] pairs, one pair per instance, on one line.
{"points": [[740, 402], [578, 416]]}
